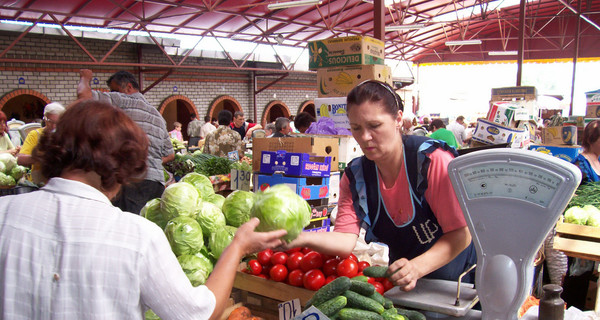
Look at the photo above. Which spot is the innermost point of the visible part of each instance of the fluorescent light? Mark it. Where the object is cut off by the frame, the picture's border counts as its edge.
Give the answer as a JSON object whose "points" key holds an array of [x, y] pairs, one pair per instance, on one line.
{"points": [[503, 53], [405, 27], [290, 4], [462, 42]]}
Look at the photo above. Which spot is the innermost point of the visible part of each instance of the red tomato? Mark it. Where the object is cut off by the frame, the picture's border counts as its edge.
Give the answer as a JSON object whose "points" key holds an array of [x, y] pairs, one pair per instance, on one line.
{"points": [[311, 260], [290, 251], [314, 279], [387, 284], [293, 261], [279, 258], [279, 273], [379, 287], [353, 257], [266, 269], [262, 276], [362, 265], [306, 250], [330, 278], [371, 280], [330, 266], [264, 257], [347, 268], [254, 267], [295, 278]]}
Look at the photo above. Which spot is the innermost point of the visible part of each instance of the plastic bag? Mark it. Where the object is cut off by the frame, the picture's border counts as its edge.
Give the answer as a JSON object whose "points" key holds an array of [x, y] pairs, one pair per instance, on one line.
{"points": [[326, 126]]}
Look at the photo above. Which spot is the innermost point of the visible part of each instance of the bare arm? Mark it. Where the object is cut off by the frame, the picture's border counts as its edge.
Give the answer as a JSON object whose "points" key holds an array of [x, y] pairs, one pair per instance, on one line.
{"points": [[168, 158], [84, 91], [24, 159], [330, 243], [405, 273], [245, 242]]}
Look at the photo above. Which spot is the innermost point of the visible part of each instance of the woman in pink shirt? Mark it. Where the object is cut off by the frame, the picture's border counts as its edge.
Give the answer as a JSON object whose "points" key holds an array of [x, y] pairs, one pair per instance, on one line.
{"points": [[400, 192]]}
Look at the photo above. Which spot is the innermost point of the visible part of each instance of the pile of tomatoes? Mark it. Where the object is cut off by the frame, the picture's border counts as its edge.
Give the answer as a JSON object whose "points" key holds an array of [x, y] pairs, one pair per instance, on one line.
{"points": [[303, 267]]}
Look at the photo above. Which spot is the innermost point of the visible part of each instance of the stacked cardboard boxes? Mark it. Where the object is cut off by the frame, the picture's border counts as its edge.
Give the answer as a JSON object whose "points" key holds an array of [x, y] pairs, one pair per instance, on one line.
{"points": [[512, 118]]}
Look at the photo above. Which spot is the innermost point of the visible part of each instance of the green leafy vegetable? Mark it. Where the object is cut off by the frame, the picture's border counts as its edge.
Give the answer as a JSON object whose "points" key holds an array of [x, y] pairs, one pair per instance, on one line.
{"points": [[216, 199], [220, 239], [8, 160], [184, 235], [278, 207], [201, 182], [210, 218], [196, 267], [152, 212], [179, 199], [237, 206]]}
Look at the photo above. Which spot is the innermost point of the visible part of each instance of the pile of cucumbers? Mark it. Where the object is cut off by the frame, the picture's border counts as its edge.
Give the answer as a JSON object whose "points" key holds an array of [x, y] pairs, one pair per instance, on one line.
{"points": [[348, 299]]}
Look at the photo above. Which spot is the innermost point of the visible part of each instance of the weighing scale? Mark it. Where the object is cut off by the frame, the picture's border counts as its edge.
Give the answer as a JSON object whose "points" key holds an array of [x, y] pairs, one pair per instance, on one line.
{"points": [[511, 199]]}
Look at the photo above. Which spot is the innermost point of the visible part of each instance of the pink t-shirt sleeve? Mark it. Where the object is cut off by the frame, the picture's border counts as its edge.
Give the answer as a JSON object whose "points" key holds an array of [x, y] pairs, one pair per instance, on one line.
{"points": [[440, 193], [346, 220]]}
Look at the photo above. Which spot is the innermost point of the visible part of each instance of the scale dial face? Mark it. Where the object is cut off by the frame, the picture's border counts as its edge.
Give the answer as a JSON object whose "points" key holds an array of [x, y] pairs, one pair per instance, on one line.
{"points": [[510, 180]]}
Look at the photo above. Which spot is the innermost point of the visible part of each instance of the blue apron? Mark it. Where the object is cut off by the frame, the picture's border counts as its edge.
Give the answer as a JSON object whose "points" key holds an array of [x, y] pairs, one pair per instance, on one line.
{"points": [[418, 234]]}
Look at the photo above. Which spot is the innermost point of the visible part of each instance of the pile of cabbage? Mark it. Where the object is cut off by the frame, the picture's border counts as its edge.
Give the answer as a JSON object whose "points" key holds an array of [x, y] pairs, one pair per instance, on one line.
{"points": [[588, 215], [198, 223], [10, 171]]}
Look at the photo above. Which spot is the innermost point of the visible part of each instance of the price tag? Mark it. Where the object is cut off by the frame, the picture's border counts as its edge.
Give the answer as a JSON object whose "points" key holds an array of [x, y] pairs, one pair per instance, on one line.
{"points": [[311, 313], [289, 310], [240, 180], [233, 155]]}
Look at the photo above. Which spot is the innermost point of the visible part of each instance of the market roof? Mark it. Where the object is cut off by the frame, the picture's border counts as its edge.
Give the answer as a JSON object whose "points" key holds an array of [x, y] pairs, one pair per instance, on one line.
{"points": [[552, 28]]}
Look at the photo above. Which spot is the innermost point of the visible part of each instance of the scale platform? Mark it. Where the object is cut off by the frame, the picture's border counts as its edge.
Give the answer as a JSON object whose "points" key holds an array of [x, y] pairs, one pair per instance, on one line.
{"points": [[437, 296]]}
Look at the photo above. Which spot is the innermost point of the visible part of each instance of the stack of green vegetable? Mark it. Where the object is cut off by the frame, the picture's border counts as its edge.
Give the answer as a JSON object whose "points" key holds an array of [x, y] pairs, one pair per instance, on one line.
{"points": [[178, 146], [348, 299], [10, 171], [206, 164], [584, 207]]}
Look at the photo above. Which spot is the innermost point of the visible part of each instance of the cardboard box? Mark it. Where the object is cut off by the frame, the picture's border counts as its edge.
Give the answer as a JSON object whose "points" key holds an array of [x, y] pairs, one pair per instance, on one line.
{"points": [[295, 164], [564, 152], [489, 133], [505, 114], [318, 223], [559, 135], [337, 82], [349, 149], [307, 188], [592, 110], [334, 108], [344, 51], [314, 145], [334, 187], [521, 93], [319, 212]]}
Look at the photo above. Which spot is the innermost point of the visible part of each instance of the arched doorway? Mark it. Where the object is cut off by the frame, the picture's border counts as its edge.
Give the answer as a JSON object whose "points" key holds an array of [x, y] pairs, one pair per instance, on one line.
{"points": [[223, 103], [24, 104], [177, 108], [274, 110], [308, 106]]}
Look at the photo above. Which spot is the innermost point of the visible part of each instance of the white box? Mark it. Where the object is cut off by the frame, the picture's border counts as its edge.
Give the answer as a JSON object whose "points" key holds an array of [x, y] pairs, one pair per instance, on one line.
{"points": [[334, 108], [349, 149], [334, 187], [488, 132]]}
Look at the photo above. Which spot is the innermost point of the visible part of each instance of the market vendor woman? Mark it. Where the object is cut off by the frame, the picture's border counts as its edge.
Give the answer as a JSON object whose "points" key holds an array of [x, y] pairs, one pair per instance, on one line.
{"points": [[400, 192]]}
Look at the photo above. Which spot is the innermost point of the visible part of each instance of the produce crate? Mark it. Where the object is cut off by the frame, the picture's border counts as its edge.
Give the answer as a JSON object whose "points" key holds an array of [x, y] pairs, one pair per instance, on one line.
{"points": [[311, 144], [295, 164], [578, 241], [278, 291], [307, 188], [343, 51]]}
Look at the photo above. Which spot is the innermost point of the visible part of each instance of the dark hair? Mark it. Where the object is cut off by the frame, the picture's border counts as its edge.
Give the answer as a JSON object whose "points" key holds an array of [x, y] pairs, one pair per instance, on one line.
{"points": [[375, 91], [122, 78], [206, 118], [193, 116], [281, 123], [460, 118], [94, 136], [224, 117], [591, 133], [303, 121], [436, 123]]}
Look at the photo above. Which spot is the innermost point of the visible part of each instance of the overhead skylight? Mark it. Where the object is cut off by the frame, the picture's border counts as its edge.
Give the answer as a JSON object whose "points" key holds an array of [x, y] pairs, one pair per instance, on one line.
{"points": [[476, 10]]}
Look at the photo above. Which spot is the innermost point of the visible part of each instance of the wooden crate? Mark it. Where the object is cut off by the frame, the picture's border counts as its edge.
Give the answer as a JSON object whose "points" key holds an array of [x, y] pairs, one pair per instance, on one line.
{"points": [[578, 241], [271, 289]]}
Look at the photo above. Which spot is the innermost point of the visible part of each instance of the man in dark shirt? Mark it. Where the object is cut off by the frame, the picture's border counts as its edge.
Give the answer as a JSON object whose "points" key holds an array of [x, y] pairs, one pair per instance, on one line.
{"points": [[242, 127], [282, 127]]}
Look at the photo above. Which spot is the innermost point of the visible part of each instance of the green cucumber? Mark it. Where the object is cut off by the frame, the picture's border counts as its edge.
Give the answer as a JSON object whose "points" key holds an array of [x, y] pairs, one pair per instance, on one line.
{"points": [[364, 288], [376, 271], [329, 291], [390, 311], [388, 316], [388, 304], [357, 300], [354, 314], [411, 314], [360, 278], [332, 306], [378, 297]]}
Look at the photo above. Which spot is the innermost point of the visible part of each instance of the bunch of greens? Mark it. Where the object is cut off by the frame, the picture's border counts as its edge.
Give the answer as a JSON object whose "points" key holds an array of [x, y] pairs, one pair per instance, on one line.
{"points": [[586, 194], [241, 165], [214, 166]]}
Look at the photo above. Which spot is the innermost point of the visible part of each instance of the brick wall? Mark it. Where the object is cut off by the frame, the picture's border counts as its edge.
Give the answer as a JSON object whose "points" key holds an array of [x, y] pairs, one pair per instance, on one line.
{"points": [[58, 82]]}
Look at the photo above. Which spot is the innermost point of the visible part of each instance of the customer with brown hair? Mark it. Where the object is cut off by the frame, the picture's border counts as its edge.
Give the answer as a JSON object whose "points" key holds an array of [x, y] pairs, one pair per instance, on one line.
{"points": [[6, 145], [67, 253]]}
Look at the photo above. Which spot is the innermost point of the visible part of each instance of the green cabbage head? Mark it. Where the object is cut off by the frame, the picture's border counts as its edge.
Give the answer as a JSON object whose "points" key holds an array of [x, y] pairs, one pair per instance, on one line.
{"points": [[6, 180], [152, 212], [18, 172], [179, 199], [593, 215], [200, 182], [216, 199], [219, 240], [237, 206], [184, 235], [210, 218], [9, 161], [150, 315], [196, 267], [278, 207], [576, 215]]}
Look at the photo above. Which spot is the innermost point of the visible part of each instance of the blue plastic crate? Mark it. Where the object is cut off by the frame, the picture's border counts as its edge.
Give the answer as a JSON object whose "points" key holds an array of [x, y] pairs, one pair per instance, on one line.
{"points": [[295, 164]]}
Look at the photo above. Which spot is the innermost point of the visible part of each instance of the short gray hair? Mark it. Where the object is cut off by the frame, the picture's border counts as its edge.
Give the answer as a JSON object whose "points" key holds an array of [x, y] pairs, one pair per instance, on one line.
{"points": [[281, 123], [54, 108]]}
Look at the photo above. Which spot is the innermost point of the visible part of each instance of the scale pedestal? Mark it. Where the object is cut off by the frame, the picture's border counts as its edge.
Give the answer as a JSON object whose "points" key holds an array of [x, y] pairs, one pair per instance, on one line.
{"points": [[511, 199]]}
